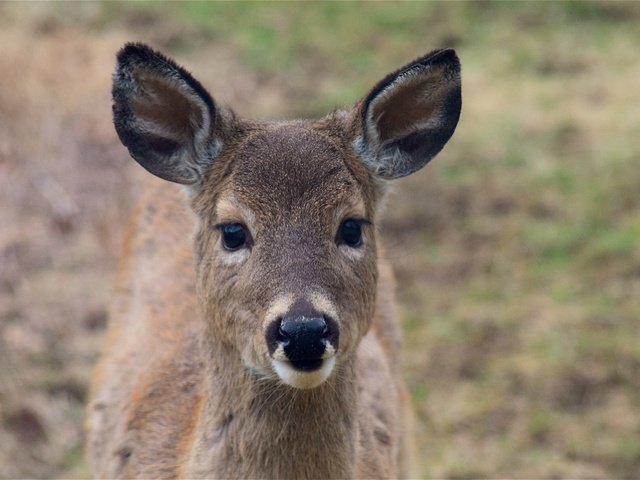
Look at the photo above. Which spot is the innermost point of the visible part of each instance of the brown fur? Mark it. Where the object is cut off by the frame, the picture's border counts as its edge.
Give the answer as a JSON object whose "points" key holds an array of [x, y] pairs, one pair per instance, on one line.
{"points": [[186, 388]]}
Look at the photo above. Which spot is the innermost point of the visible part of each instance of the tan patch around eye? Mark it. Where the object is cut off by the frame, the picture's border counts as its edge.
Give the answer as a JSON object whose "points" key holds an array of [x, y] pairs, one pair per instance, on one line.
{"points": [[229, 210], [353, 207]]}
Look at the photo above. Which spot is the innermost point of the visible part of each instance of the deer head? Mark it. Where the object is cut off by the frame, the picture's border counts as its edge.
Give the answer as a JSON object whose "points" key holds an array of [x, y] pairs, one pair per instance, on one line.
{"points": [[287, 211]]}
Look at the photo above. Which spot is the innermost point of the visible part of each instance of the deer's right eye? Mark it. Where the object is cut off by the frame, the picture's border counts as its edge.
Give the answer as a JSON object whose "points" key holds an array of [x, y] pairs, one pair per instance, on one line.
{"points": [[234, 236]]}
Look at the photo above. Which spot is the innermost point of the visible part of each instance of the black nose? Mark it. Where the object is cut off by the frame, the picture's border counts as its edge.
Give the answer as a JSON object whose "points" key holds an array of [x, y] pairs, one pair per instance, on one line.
{"points": [[302, 337], [304, 340]]}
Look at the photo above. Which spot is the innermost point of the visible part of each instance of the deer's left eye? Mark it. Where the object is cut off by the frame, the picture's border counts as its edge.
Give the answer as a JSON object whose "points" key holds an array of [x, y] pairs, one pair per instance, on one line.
{"points": [[350, 232]]}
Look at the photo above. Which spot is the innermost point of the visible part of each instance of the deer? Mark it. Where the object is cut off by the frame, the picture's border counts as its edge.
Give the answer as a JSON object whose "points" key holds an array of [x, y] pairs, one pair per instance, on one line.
{"points": [[253, 331]]}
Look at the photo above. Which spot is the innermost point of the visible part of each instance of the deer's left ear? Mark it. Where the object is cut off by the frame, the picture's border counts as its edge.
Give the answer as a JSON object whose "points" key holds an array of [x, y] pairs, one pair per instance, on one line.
{"points": [[410, 115]]}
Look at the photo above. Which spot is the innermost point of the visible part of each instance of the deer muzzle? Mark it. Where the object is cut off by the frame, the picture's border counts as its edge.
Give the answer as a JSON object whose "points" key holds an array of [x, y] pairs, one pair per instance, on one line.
{"points": [[303, 344]]}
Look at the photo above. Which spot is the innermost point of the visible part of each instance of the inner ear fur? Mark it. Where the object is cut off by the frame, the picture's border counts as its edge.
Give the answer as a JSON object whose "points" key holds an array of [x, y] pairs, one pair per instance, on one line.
{"points": [[163, 115], [409, 116], [164, 107]]}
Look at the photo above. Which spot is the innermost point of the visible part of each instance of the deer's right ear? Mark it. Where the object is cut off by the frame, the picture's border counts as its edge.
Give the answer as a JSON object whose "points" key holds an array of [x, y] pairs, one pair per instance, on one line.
{"points": [[163, 115], [410, 115]]}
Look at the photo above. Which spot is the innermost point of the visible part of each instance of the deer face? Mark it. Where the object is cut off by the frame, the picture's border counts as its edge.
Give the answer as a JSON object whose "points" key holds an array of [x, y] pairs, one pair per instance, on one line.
{"points": [[286, 247], [289, 246]]}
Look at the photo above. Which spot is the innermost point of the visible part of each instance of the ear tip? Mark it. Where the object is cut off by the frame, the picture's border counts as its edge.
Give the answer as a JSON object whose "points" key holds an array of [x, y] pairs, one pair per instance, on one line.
{"points": [[134, 50], [135, 53], [449, 53], [446, 57]]}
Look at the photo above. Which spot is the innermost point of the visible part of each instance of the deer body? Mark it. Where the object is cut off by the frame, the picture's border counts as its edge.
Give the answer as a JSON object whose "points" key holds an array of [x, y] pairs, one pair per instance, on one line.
{"points": [[253, 334]]}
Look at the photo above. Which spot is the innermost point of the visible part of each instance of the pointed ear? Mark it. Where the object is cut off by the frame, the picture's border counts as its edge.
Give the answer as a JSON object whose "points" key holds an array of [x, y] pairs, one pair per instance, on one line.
{"points": [[163, 115], [409, 116]]}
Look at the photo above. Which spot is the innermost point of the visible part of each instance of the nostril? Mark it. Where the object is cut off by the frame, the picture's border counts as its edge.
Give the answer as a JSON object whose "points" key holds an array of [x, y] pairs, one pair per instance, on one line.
{"points": [[317, 326], [325, 331], [283, 337]]}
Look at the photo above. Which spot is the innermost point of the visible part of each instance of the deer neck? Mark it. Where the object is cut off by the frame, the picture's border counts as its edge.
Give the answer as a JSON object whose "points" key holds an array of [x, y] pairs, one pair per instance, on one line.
{"points": [[253, 427]]}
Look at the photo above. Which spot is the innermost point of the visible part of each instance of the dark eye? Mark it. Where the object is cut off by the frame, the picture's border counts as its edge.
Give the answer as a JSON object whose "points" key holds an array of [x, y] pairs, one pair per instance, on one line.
{"points": [[351, 232], [234, 236]]}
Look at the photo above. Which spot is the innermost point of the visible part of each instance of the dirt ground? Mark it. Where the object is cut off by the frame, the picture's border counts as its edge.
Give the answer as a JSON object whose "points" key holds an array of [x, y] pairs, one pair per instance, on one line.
{"points": [[529, 363]]}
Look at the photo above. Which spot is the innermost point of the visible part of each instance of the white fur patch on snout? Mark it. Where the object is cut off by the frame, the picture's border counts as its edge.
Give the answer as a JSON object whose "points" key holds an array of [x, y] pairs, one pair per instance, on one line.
{"points": [[301, 379]]}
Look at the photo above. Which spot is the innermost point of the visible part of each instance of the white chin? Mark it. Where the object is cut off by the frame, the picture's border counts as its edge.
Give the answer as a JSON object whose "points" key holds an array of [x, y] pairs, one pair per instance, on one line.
{"points": [[300, 379]]}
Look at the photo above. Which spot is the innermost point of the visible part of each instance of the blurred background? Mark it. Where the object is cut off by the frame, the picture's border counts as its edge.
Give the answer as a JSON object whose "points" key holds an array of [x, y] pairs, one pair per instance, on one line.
{"points": [[517, 251]]}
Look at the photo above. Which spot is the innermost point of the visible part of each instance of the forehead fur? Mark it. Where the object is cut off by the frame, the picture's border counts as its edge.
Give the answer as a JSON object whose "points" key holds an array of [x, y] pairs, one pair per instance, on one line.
{"points": [[293, 166]]}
